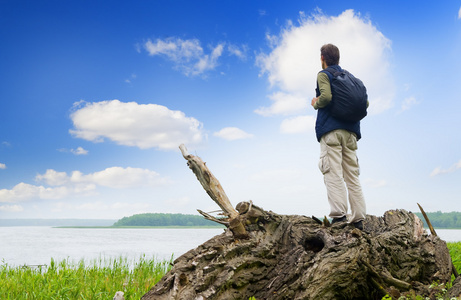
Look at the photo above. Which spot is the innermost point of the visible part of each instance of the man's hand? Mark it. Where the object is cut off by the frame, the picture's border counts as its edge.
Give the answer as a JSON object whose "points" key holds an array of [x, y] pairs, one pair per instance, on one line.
{"points": [[315, 99]]}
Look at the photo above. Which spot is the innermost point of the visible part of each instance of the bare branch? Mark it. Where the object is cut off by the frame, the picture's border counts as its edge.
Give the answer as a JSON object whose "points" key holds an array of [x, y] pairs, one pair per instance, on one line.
{"points": [[209, 182], [211, 218]]}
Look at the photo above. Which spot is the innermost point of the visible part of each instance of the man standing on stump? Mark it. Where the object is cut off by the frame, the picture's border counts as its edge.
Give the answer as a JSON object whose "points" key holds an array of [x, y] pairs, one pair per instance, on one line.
{"points": [[338, 142]]}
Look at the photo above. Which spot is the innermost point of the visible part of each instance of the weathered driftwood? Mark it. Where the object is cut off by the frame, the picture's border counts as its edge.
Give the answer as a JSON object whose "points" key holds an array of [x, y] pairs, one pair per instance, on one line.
{"points": [[216, 192], [298, 257], [294, 257], [209, 182]]}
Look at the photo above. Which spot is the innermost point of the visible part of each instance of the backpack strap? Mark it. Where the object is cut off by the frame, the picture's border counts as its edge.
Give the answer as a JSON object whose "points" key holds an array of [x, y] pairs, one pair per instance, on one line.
{"points": [[333, 71]]}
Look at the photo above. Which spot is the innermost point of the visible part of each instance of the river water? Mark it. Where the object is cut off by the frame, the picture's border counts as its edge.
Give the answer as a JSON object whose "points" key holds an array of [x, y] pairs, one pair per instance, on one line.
{"points": [[37, 245]]}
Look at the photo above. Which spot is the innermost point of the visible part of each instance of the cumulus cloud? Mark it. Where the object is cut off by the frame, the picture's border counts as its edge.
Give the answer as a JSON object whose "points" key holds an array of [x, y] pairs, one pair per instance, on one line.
{"points": [[114, 177], [11, 208], [284, 104], [132, 77], [24, 191], [294, 60], [298, 124], [59, 185], [240, 52], [232, 134], [53, 178], [79, 151], [453, 168], [408, 103], [117, 177], [2, 166], [132, 124], [187, 55], [459, 13]]}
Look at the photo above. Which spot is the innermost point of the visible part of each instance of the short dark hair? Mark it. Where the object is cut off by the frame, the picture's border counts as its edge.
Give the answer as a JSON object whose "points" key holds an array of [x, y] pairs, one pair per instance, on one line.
{"points": [[330, 54]]}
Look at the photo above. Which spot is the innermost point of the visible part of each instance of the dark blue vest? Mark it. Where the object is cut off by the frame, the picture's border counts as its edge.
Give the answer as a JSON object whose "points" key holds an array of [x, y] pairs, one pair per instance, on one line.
{"points": [[326, 122]]}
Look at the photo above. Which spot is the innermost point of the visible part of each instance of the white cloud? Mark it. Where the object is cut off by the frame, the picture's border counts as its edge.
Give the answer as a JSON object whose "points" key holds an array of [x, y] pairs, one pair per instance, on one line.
{"points": [[187, 55], [453, 168], [117, 177], [24, 191], [11, 208], [132, 124], [208, 62], [240, 52], [298, 124], [232, 134], [2, 166], [132, 77], [53, 178], [114, 177], [284, 104], [79, 151], [459, 13], [175, 48], [294, 61], [62, 185], [408, 103]]}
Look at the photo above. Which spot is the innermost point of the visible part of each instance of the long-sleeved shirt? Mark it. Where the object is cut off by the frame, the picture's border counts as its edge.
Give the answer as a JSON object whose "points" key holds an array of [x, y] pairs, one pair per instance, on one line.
{"points": [[325, 91]]}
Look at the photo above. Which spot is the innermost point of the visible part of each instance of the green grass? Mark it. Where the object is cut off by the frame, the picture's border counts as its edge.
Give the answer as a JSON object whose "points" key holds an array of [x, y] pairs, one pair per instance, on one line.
{"points": [[99, 279], [455, 253]]}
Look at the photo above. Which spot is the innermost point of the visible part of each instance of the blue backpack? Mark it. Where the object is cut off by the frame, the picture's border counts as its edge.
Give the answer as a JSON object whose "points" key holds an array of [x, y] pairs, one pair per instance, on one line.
{"points": [[349, 102]]}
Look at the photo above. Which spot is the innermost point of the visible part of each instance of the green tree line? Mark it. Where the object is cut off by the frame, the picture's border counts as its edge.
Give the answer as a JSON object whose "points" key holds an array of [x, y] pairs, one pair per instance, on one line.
{"points": [[438, 220], [442, 220], [157, 219]]}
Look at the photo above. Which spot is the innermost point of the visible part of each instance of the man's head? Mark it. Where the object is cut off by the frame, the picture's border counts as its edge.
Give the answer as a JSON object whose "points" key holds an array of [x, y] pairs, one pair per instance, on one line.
{"points": [[329, 55]]}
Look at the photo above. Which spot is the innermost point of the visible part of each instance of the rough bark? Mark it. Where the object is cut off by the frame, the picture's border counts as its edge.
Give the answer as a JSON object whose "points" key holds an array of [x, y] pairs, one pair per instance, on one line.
{"points": [[214, 189], [295, 257], [272, 256]]}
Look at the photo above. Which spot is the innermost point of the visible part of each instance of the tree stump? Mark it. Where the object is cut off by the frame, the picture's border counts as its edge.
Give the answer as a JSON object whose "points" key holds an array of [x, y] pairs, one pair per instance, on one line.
{"points": [[297, 257]]}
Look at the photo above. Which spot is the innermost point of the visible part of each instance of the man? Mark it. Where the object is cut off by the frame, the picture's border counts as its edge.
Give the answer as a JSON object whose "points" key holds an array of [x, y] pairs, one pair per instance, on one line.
{"points": [[338, 145]]}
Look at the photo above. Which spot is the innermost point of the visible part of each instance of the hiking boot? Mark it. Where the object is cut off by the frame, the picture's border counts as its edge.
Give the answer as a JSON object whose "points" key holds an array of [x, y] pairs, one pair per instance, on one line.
{"points": [[336, 220], [358, 225]]}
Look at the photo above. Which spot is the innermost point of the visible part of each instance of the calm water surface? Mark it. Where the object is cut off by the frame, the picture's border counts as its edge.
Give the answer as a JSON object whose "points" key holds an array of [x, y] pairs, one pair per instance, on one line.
{"points": [[449, 235], [37, 245]]}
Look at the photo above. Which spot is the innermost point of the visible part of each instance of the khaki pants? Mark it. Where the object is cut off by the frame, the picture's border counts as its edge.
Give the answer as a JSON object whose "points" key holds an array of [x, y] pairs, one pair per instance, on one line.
{"points": [[339, 164]]}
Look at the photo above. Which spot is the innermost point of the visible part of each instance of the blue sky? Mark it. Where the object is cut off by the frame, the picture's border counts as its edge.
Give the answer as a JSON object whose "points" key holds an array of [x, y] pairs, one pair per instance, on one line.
{"points": [[96, 97]]}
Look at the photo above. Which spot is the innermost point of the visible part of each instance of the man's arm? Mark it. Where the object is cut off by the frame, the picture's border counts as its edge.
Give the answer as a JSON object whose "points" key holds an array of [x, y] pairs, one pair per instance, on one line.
{"points": [[325, 92]]}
